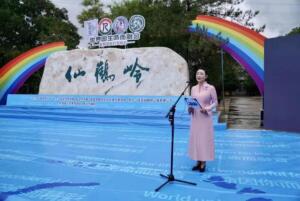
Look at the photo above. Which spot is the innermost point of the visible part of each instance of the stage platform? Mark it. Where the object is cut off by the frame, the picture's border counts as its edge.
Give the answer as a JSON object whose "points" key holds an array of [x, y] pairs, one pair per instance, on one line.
{"points": [[63, 153]]}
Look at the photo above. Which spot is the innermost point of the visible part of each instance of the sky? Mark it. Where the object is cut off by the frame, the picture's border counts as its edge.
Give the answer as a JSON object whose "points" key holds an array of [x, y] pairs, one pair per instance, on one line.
{"points": [[279, 16]]}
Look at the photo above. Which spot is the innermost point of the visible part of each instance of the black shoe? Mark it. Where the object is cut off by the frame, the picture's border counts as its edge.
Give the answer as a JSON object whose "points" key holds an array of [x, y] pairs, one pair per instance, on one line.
{"points": [[196, 167], [202, 169]]}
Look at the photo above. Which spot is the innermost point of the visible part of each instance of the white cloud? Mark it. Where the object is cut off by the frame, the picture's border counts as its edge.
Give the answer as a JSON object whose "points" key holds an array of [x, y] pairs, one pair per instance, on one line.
{"points": [[279, 16]]}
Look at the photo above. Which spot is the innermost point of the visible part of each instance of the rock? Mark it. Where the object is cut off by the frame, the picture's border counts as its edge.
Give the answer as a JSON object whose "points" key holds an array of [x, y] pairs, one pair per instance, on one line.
{"points": [[155, 71]]}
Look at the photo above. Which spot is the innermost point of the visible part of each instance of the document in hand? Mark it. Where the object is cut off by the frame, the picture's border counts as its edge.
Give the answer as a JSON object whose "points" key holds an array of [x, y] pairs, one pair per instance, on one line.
{"points": [[192, 102]]}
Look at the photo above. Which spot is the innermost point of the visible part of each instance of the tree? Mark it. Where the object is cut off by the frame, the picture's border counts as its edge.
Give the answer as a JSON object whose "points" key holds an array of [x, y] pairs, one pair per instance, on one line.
{"points": [[94, 10], [26, 24], [206, 54], [294, 31]]}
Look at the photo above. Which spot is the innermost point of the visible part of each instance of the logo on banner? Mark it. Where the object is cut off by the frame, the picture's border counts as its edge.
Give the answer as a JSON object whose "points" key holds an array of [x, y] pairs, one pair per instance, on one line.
{"points": [[91, 27], [115, 33], [120, 25], [136, 23], [105, 26]]}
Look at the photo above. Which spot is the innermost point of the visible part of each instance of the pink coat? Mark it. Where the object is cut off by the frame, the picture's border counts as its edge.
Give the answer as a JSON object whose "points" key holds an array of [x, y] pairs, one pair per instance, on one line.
{"points": [[201, 143]]}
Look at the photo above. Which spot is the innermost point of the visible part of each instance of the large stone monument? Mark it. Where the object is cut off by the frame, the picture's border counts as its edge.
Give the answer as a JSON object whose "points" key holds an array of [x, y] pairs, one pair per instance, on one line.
{"points": [[155, 71]]}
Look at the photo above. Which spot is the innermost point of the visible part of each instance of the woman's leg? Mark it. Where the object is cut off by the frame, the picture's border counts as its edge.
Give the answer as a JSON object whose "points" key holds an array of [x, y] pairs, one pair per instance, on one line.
{"points": [[202, 166]]}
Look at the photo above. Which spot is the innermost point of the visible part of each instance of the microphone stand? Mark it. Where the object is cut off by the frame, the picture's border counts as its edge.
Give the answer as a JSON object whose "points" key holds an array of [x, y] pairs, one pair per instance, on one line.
{"points": [[171, 177]]}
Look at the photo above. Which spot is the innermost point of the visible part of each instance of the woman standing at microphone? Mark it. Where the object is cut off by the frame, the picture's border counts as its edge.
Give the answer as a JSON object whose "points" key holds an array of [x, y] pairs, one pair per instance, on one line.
{"points": [[201, 143]]}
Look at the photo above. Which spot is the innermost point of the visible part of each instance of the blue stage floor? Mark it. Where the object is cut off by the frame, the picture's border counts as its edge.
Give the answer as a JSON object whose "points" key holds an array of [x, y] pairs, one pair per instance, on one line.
{"points": [[42, 159]]}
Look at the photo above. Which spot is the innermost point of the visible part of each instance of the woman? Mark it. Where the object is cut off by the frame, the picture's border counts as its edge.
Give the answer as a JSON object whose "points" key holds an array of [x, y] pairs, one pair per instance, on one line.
{"points": [[201, 144]]}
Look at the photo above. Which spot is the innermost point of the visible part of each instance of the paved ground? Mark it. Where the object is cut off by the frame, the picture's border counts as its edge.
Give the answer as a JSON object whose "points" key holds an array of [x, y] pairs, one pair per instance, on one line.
{"points": [[242, 112], [117, 152], [120, 159]]}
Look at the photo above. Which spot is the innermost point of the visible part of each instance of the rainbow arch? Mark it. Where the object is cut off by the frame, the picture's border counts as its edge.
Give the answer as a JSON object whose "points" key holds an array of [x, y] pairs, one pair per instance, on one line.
{"points": [[14, 73], [245, 45]]}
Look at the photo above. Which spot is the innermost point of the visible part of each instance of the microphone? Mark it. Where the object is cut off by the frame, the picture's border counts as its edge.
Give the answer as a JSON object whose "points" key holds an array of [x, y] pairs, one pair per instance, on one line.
{"points": [[188, 82]]}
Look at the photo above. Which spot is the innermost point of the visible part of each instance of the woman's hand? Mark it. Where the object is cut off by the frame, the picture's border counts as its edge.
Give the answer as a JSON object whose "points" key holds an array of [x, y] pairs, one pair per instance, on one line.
{"points": [[191, 110], [204, 110]]}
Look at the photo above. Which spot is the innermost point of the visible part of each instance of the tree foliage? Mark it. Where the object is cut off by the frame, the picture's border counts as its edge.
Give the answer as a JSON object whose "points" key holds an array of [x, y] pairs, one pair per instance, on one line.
{"points": [[29, 23], [94, 10], [294, 31], [166, 25]]}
